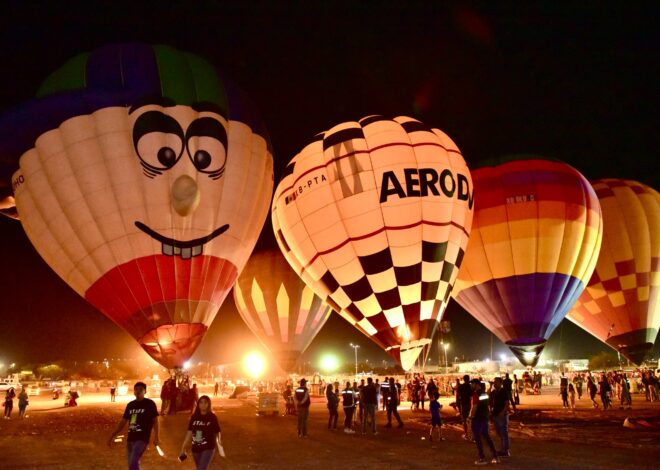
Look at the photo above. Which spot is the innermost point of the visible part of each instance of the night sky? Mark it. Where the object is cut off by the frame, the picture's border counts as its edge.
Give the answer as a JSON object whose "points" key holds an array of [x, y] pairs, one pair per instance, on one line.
{"points": [[575, 81]]}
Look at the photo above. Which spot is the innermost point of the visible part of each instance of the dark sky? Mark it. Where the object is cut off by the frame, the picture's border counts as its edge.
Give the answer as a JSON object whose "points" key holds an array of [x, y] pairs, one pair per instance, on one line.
{"points": [[571, 80]]}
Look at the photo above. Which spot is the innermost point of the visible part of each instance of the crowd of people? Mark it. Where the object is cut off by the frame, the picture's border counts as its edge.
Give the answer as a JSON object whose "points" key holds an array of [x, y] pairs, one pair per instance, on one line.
{"points": [[360, 403], [611, 387]]}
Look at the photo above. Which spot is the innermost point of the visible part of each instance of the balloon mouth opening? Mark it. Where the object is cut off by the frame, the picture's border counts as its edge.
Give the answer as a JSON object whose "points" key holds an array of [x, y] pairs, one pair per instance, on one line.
{"points": [[527, 353], [636, 353], [172, 345], [634, 345]]}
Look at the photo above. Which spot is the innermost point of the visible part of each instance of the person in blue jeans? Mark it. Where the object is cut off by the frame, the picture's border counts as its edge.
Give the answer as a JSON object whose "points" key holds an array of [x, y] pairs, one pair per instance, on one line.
{"points": [[203, 433], [141, 415], [479, 415], [499, 403]]}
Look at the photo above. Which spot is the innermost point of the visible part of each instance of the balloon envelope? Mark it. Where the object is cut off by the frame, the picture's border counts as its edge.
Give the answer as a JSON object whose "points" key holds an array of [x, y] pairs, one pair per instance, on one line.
{"points": [[144, 180], [534, 243], [278, 307], [620, 304], [374, 216]]}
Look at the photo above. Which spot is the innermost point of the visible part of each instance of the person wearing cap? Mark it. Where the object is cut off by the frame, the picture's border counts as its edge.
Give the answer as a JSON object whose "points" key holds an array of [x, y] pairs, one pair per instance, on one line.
{"points": [[479, 416], [302, 402]]}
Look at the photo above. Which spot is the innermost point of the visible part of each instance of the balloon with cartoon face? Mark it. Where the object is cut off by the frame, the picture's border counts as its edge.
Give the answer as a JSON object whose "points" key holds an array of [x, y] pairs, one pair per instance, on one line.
{"points": [[144, 179]]}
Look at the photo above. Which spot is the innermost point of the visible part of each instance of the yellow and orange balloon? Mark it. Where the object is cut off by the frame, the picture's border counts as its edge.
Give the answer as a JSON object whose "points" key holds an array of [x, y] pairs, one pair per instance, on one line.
{"points": [[620, 305], [535, 239], [278, 307], [375, 217]]}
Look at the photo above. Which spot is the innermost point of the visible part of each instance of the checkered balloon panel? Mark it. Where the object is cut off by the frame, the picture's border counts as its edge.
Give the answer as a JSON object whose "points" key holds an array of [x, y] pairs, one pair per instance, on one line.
{"points": [[375, 216], [621, 302]]}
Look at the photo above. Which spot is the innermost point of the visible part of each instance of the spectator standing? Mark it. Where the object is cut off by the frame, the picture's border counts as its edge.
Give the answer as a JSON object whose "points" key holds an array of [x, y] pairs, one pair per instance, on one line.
{"points": [[436, 418], [9, 402], [464, 403], [302, 401], [479, 418], [333, 405], [348, 403], [499, 403], [23, 402]]}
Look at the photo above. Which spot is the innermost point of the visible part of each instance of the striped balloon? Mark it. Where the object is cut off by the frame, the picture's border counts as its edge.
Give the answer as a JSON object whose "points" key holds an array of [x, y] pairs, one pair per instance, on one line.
{"points": [[278, 307], [535, 239], [621, 304], [143, 181], [374, 216]]}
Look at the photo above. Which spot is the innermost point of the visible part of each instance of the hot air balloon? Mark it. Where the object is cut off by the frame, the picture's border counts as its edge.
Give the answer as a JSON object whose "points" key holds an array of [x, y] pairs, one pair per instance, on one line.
{"points": [[143, 180], [620, 304], [375, 216], [278, 307], [535, 238]]}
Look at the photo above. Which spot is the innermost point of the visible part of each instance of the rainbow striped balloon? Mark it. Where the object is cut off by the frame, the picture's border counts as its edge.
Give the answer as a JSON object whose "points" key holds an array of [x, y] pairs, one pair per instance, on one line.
{"points": [[535, 239]]}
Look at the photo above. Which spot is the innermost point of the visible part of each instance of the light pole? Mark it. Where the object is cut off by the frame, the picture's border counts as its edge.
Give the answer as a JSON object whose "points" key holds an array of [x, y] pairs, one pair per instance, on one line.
{"points": [[355, 348], [445, 346]]}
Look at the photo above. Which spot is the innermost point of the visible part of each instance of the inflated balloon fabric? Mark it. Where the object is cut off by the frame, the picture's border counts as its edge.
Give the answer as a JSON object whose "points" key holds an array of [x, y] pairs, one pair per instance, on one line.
{"points": [[144, 180], [375, 216], [620, 305], [278, 307], [535, 239]]}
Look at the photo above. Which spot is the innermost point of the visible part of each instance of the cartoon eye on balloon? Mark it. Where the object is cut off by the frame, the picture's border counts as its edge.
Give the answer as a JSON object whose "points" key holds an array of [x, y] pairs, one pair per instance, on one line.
{"points": [[375, 216], [143, 178]]}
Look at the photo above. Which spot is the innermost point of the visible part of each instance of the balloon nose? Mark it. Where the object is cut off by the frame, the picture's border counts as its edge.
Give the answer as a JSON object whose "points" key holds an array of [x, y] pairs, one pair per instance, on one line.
{"points": [[185, 195]]}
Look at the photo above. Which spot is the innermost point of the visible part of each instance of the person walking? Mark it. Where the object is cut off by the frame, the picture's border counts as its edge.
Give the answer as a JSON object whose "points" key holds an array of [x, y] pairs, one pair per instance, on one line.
{"points": [[215, 389], [113, 393], [499, 404], [436, 418], [377, 385], [302, 402], [392, 404], [370, 404], [203, 434], [605, 390], [593, 390], [464, 402], [348, 403], [23, 402], [9, 402], [333, 404], [563, 391], [165, 398], [571, 395], [141, 415], [479, 417]]}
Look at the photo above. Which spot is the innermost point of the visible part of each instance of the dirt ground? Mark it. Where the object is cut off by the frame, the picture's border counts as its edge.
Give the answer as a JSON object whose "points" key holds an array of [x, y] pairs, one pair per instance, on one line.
{"points": [[543, 436]]}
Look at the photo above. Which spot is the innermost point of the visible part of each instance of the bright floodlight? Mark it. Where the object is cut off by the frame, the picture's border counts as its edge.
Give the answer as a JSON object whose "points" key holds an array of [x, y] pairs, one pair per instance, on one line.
{"points": [[186, 365], [446, 346], [503, 357], [254, 364], [529, 356], [329, 362]]}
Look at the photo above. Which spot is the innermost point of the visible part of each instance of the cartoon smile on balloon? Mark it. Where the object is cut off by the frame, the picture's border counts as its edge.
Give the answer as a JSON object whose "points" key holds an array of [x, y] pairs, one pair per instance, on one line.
{"points": [[144, 181]]}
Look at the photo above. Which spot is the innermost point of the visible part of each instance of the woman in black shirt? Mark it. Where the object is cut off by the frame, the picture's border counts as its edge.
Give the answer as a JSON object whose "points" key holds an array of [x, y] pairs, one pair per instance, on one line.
{"points": [[203, 433]]}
